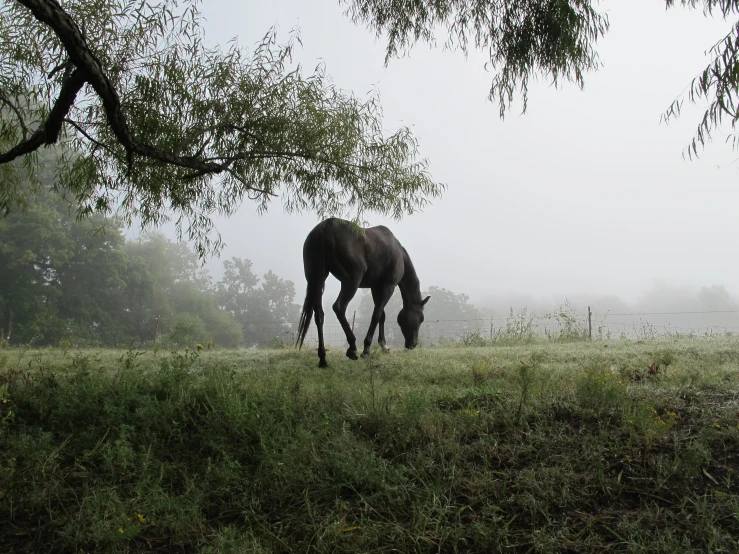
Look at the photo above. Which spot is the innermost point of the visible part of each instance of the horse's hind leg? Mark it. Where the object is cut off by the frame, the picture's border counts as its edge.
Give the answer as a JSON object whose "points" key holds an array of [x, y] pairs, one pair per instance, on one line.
{"points": [[381, 334], [319, 318], [348, 290]]}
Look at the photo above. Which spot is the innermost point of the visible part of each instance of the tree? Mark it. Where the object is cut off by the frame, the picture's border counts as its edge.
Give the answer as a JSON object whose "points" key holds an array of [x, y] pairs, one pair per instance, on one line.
{"points": [[555, 39], [166, 281], [60, 277], [156, 123], [266, 310]]}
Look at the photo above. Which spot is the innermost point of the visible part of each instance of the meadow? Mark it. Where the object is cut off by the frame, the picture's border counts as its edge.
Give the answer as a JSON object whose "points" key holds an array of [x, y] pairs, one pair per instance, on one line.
{"points": [[602, 446]]}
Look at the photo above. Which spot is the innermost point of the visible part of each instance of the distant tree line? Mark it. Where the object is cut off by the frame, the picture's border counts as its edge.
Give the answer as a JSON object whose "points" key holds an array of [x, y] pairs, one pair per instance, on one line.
{"points": [[64, 278]]}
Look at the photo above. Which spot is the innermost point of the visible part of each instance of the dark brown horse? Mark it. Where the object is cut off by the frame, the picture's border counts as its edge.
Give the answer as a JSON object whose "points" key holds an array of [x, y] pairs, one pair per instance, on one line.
{"points": [[359, 258]]}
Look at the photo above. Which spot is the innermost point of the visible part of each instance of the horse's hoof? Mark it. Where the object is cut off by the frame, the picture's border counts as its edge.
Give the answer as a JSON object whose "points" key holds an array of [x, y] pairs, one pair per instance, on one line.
{"points": [[352, 354], [365, 354], [322, 363], [385, 349]]}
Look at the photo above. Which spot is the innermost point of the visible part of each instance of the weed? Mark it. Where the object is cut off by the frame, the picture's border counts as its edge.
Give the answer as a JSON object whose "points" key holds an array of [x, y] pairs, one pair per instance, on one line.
{"points": [[526, 375], [599, 390]]}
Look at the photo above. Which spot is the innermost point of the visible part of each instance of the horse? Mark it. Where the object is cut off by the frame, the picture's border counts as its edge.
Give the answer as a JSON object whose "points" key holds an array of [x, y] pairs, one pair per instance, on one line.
{"points": [[359, 258]]}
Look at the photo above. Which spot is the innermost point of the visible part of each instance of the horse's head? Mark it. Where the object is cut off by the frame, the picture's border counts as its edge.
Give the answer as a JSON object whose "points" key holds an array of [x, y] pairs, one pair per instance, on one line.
{"points": [[410, 319]]}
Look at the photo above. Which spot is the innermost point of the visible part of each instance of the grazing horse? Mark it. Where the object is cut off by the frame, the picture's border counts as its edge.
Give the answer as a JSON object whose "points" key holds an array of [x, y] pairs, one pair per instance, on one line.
{"points": [[359, 258]]}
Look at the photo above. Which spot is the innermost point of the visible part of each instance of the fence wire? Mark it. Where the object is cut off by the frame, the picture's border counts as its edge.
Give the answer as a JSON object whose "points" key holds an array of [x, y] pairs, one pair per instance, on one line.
{"points": [[631, 325]]}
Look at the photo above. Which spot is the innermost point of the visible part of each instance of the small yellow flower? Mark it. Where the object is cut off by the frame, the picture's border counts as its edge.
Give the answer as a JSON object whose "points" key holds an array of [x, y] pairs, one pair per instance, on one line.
{"points": [[120, 529], [200, 346], [717, 426], [187, 349], [142, 519]]}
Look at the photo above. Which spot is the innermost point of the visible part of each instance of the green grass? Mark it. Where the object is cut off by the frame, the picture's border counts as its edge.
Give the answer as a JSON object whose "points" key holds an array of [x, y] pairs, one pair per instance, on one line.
{"points": [[550, 447]]}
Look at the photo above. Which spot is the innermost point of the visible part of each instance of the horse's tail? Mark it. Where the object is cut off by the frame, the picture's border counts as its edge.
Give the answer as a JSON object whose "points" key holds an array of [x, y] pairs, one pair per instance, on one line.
{"points": [[305, 317], [314, 264]]}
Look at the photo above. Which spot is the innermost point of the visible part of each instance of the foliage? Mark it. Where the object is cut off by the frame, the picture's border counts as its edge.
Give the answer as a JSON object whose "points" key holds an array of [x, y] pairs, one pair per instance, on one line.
{"points": [[156, 123], [556, 40], [519, 328], [187, 329], [265, 310], [717, 83], [570, 325], [524, 39], [257, 451], [59, 277], [74, 283], [600, 390]]}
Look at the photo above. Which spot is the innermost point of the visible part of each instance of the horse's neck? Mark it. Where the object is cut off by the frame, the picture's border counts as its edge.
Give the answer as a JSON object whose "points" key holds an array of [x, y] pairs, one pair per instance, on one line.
{"points": [[409, 285]]}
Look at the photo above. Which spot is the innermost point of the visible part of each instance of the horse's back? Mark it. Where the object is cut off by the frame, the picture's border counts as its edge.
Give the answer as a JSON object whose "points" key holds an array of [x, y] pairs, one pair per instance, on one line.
{"points": [[371, 255]]}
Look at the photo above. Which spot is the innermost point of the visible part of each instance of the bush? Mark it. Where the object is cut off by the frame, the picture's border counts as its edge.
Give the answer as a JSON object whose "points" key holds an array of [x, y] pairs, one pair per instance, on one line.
{"points": [[187, 329]]}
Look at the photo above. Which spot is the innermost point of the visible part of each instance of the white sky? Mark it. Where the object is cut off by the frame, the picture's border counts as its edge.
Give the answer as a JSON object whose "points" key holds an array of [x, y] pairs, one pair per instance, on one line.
{"points": [[587, 193]]}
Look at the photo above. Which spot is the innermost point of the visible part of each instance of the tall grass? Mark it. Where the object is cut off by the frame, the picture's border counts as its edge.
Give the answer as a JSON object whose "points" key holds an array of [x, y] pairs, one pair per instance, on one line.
{"points": [[554, 447]]}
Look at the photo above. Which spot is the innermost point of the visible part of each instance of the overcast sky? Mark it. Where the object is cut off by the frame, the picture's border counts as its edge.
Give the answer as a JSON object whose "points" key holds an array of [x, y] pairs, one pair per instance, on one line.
{"points": [[587, 193]]}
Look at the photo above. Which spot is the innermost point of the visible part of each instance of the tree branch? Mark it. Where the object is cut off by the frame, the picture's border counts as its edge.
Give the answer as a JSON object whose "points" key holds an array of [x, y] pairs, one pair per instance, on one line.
{"points": [[48, 132], [71, 37], [96, 142]]}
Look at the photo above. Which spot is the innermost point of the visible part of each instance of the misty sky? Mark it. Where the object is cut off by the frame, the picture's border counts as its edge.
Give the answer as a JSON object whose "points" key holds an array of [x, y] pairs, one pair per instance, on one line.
{"points": [[587, 193]]}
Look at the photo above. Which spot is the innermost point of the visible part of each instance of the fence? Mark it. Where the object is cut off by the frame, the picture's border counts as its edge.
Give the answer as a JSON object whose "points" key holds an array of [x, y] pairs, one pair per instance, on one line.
{"points": [[523, 326]]}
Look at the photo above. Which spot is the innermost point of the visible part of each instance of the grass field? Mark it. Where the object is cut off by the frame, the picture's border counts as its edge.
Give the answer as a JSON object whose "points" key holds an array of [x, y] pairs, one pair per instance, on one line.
{"points": [[607, 446]]}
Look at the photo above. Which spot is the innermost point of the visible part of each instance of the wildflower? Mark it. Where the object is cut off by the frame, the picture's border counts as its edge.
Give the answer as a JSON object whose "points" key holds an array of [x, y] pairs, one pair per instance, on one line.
{"points": [[200, 346], [142, 519], [120, 529], [717, 426], [187, 349]]}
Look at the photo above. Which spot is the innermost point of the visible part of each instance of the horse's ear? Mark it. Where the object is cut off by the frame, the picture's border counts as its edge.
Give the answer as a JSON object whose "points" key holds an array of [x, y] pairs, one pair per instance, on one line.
{"points": [[423, 302]]}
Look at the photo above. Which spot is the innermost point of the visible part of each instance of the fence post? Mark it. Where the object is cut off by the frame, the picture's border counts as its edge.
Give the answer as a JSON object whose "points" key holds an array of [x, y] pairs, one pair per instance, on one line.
{"points": [[156, 329], [590, 324], [353, 318]]}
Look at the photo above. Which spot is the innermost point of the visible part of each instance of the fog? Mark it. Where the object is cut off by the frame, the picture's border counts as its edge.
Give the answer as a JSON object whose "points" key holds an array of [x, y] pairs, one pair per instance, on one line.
{"points": [[587, 196]]}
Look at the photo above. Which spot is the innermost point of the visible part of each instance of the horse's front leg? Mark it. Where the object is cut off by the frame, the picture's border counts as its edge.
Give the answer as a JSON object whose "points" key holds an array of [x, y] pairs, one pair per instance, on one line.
{"points": [[381, 298], [348, 290]]}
